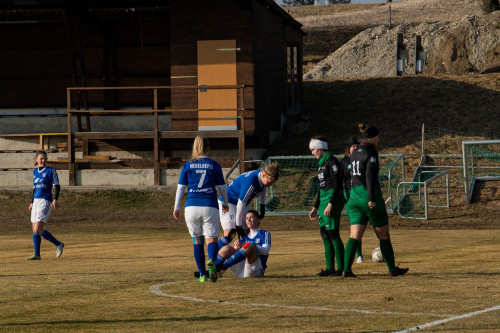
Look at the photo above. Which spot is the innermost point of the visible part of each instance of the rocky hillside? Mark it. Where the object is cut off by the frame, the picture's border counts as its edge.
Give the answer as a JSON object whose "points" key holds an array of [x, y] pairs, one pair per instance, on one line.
{"points": [[458, 36], [469, 45]]}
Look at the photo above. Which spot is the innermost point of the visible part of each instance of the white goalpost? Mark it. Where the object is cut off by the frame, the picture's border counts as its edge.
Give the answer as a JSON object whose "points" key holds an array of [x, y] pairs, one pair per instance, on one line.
{"points": [[480, 161]]}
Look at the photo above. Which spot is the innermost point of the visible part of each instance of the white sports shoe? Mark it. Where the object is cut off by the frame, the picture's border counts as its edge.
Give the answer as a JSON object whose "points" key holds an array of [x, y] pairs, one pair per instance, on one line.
{"points": [[59, 249], [359, 260]]}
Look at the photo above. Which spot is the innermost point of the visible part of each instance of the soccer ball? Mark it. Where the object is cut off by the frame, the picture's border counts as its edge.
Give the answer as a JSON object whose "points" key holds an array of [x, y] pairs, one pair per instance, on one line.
{"points": [[377, 255]]}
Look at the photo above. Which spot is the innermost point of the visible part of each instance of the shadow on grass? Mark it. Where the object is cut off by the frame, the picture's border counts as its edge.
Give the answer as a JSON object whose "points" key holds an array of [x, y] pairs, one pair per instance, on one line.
{"points": [[114, 322]]}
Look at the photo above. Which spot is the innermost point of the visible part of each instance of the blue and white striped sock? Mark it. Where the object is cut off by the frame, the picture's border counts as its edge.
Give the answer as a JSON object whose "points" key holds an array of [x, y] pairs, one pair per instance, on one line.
{"points": [[239, 256], [223, 241]]}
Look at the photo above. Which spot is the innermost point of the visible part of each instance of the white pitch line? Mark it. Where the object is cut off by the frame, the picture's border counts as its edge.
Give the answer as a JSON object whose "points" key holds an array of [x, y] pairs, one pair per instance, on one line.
{"points": [[156, 289], [442, 321]]}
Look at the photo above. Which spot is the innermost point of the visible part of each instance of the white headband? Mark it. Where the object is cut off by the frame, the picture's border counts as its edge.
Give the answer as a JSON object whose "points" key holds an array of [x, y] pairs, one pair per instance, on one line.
{"points": [[318, 144]]}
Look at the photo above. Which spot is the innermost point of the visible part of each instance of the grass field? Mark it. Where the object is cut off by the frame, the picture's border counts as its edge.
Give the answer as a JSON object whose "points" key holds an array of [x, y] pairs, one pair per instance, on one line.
{"points": [[140, 280]]}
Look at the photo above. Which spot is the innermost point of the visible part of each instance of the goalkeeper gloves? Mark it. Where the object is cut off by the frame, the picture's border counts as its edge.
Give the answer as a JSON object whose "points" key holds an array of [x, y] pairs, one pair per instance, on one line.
{"points": [[240, 232]]}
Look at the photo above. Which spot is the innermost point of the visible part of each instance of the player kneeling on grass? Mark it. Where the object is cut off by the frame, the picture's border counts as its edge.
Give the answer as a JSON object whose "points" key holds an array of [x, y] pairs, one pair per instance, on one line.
{"points": [[248, 255], [240, 192]]}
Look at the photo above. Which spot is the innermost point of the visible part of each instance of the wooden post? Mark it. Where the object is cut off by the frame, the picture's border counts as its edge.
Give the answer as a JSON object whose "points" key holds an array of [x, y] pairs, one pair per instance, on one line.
{"points": [[423, 142], [156, 158], [71, 147], [241, 140], [85, 147], [390, 24]]}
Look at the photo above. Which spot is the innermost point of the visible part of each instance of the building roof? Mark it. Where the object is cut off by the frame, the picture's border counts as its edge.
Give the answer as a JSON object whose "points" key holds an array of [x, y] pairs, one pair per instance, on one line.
{"points": [[43, 11]]}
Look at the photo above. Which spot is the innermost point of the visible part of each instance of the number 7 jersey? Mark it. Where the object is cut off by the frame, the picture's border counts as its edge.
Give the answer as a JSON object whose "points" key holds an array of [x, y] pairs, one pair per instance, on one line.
{"points": [[201, 177]]}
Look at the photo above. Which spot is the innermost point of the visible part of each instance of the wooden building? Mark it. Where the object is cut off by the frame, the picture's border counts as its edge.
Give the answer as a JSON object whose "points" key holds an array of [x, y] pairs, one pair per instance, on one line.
{"points": [[251, 47]]}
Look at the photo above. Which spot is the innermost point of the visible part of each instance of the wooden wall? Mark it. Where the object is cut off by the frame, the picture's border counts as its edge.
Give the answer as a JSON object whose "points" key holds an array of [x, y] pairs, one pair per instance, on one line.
{"points": [[36, 59], [221, 20], [35, 65], [36, 62], [270, 68]]}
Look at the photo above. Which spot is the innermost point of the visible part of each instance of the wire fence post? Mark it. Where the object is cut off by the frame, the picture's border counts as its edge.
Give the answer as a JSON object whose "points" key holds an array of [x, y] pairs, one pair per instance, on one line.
{"points": [[390, 27]]}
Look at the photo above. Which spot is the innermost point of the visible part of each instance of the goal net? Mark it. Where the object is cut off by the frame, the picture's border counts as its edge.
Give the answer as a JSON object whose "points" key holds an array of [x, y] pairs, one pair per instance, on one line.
{"points": [[480, 161], [429, 189], [297, 188]]}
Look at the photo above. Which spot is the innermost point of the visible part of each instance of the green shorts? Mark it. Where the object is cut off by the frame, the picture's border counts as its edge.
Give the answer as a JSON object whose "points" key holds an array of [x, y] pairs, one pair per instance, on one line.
{"points": [[360, 213], [333, 221]]}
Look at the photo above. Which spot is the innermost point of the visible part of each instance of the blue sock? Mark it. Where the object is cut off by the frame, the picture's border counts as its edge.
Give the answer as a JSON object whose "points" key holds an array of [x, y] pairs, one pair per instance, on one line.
{"points": [[199, 257], [48, 236], [223, 241], [36, 243], [219, 260], [240, 255], [213, 248]]}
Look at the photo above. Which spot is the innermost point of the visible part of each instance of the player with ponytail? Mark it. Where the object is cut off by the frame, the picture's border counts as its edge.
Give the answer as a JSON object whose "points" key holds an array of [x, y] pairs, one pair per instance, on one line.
{"points": [[366, 203], [202, 175]]}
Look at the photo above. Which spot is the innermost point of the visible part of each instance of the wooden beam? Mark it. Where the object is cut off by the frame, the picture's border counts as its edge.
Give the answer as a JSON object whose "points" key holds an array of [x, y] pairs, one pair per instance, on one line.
{"points": [[156, 149], [114, 135], [85, 147], [71, 147], [204, 134], [99, 158]]}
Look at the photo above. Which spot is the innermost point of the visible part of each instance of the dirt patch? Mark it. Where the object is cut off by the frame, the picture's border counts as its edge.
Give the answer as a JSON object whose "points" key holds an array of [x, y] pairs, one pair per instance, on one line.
{"points": [[469, 45], [487, 193], [404, 12]]}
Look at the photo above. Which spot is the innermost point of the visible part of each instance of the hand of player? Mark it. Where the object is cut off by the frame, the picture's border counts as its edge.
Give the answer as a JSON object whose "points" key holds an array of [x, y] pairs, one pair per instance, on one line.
{"points": [[55, 204], [31, 207], [177, 214], [313, 214], [225, 208], [371, 204], [328, 210]]}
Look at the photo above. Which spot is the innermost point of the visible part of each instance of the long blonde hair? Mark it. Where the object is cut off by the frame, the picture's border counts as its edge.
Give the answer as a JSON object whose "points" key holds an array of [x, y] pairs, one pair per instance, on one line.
{"points": [[200, 148], [273, 170]]}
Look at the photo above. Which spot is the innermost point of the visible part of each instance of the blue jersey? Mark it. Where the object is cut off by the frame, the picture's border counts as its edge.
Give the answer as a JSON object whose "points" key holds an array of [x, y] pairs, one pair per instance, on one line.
{"points": [[246, 187], [201, 177], [43, 181], [262, 240]]}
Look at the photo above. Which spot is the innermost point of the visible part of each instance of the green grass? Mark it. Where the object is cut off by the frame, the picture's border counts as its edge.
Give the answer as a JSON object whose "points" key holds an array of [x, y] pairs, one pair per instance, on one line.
{"points": [[102, 283]]}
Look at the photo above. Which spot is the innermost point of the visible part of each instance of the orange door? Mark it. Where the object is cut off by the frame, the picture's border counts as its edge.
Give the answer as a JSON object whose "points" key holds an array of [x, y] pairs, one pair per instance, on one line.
{"points": [[217, 66]]}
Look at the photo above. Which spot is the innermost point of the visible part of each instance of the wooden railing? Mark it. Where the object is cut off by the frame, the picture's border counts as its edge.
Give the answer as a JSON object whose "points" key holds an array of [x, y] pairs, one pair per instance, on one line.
{"points": [[156, 135]]}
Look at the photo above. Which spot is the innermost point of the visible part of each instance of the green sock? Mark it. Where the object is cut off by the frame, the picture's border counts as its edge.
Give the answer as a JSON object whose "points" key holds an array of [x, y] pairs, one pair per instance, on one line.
{"points": [[329, 255], [339, 253], [388, 253], [358, 250], [350, 250]]}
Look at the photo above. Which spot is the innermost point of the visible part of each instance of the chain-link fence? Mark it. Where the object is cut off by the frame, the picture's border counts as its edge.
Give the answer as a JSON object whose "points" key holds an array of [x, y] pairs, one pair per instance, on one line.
{"points": [[295, 192]]}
